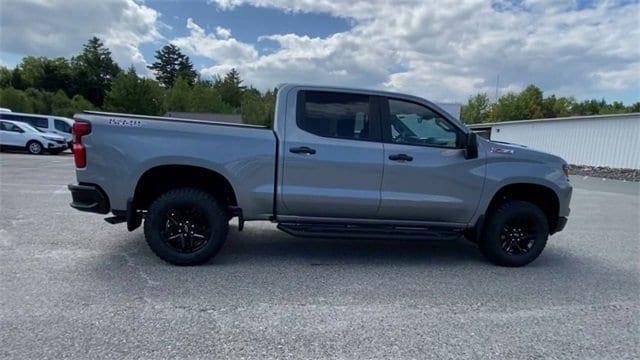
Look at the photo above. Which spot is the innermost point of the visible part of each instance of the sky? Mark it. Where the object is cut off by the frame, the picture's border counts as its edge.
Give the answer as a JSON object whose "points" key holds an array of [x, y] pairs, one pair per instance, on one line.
{"points": [[443, 50]]}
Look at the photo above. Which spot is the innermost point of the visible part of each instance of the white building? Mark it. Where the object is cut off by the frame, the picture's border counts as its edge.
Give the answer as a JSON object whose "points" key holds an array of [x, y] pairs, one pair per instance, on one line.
{"points": [[600, 140]]}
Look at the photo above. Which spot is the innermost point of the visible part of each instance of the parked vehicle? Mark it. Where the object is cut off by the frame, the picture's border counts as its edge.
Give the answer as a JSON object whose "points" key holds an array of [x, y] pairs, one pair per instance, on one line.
{"points": [[48, 123], [18, 135], [337, 163]]}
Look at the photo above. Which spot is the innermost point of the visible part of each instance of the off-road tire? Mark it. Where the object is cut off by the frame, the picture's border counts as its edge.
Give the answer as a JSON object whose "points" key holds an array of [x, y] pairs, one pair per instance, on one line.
{"points": [[201, 201], [491, 242]]}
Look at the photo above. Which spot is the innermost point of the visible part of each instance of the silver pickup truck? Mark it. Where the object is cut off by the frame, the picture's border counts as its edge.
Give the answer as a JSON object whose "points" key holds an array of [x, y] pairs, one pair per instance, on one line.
{"points": [[337, 163]]}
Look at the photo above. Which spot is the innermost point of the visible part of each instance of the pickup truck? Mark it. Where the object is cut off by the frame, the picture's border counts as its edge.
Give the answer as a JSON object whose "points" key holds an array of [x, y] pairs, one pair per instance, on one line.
{"points": [[338, 162]]}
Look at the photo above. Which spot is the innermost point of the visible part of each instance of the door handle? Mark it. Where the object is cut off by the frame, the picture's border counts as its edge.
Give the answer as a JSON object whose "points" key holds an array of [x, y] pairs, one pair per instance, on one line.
{"points": [[302, 150], [400, 157]]}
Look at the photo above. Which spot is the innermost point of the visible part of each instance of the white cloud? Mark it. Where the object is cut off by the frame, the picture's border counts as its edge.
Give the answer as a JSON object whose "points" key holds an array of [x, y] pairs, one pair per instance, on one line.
{"points": [[223, 33], [60, 27], [451, 49], [218, 47]]}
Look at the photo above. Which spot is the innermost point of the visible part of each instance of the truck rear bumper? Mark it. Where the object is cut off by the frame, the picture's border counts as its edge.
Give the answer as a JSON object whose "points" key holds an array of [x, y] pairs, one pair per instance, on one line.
{"points": [[89, 198]]}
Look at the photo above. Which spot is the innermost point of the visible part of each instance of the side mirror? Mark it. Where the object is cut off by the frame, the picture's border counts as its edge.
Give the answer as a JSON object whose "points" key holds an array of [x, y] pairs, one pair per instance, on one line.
{"points": [[471, 148]]}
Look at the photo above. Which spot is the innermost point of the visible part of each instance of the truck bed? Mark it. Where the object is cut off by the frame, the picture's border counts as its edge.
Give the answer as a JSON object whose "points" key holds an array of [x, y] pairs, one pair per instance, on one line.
{"points": [[123, 147]]}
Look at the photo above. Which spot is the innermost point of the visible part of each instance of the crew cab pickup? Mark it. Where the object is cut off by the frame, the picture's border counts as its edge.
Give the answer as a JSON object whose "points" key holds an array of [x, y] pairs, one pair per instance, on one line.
{"points": [[337, 163]]}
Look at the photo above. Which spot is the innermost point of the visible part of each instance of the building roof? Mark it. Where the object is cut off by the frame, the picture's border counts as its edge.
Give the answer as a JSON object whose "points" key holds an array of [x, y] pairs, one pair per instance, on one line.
{"points": [[228, 118], [567, 118]]}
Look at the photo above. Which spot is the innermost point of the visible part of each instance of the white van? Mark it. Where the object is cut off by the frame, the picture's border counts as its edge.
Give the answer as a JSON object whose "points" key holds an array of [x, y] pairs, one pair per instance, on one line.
{"points": [[48, 123]]}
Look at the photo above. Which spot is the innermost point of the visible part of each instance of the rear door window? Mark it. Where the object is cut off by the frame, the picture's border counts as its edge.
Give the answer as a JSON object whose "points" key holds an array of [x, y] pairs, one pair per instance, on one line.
{"points": [[35, 121], [336, 115]]}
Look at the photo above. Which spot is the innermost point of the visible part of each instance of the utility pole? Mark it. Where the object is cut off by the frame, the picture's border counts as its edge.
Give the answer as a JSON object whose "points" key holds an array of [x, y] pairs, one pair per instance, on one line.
{"points": [[497, 84]]}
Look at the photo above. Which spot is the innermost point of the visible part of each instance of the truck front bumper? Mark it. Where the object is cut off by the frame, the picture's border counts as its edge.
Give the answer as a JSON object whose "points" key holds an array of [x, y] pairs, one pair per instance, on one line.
{"points": [[89, 198], [562, 222]]}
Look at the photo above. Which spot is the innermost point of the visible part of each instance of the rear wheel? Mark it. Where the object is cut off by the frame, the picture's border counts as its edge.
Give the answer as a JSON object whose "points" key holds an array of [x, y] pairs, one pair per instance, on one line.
{"points": [[34, 147], [186, 226], [515, 234]]}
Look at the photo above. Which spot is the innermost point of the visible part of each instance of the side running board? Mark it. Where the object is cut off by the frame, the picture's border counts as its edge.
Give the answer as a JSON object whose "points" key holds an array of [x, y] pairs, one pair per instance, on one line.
{"points": [[325, 230]]}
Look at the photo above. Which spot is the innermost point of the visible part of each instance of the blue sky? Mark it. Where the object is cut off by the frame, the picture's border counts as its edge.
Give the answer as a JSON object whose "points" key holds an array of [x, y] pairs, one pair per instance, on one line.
{"points": [[445, 50], [247, 23]]}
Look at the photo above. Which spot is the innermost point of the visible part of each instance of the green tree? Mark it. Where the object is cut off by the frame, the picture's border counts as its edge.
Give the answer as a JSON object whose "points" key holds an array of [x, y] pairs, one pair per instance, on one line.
{"points": [[530, 102], [16, 100], [172, 64], [178, 98], [588, 107], [615, 107], [17, 82], [5, 77], [231, 88], [93, 71], [205, 98], [132, 94], [257, 109], [46, 74], [557, 107], [40, 100], [507, 108], [62, 105], [477, 109]]}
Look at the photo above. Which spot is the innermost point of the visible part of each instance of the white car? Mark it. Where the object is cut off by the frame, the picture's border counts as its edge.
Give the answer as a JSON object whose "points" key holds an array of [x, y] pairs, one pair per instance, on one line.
{"points": [[48, 123], [18, 135]]}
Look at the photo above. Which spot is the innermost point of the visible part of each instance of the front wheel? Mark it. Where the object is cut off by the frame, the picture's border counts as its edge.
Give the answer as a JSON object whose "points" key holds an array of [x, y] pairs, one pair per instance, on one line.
{"points": [[515, 235], [186, 226], [34, 147]]}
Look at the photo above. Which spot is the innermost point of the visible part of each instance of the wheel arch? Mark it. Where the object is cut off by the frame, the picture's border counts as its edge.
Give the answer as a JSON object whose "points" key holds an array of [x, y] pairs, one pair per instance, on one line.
{"points": [[540, 195], [161, 178]]}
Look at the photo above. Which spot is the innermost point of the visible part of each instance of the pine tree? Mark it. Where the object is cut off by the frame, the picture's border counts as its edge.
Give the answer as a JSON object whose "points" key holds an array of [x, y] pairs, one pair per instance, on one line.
{"points": [[171, 64], [231, 88], [94, 70]]}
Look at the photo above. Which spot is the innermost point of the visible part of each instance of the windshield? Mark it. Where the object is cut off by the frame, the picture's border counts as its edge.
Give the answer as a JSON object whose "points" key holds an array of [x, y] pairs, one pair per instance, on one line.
{"points": [[30, 128]]}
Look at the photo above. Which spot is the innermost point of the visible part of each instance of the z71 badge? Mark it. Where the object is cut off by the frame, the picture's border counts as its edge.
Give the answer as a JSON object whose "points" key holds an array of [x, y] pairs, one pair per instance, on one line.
{"points": [[125, 122], [499, 150]]}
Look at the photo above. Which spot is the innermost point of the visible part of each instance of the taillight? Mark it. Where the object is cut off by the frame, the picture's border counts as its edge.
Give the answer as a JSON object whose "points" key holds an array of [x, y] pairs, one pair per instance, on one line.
{"points": [[80, 129]]}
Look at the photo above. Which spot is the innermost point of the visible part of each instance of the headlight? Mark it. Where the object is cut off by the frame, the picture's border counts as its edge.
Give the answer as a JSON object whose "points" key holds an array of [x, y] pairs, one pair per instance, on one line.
{"points": [[51, 138]]}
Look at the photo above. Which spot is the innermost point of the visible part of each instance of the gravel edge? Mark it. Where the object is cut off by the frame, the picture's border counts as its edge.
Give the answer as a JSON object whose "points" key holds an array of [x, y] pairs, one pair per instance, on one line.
{"points": [[605, 172]]}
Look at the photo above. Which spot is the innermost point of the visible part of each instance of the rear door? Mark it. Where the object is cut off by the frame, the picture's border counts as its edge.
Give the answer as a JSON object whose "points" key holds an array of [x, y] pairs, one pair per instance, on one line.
{"points": [[333, 156], [426, 175]]}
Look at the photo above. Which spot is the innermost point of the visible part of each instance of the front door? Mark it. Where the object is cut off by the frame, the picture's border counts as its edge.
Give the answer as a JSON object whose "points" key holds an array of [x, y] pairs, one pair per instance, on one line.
{"points": [[426, 175], [333, 156]]}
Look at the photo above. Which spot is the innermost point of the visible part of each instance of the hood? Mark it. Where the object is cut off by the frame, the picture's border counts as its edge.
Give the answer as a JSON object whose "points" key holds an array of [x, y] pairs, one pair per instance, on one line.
{"points": [[52, 136], [521, 152]]}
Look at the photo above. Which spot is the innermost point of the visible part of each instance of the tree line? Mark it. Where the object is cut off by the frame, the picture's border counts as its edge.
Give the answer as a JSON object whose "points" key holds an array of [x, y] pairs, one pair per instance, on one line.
{"points": [[93, 80], [531, 103]]}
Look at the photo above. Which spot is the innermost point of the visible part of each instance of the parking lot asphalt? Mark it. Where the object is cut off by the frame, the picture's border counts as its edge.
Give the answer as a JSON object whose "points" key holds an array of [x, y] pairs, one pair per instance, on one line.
{"points": [[73, 286]]}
